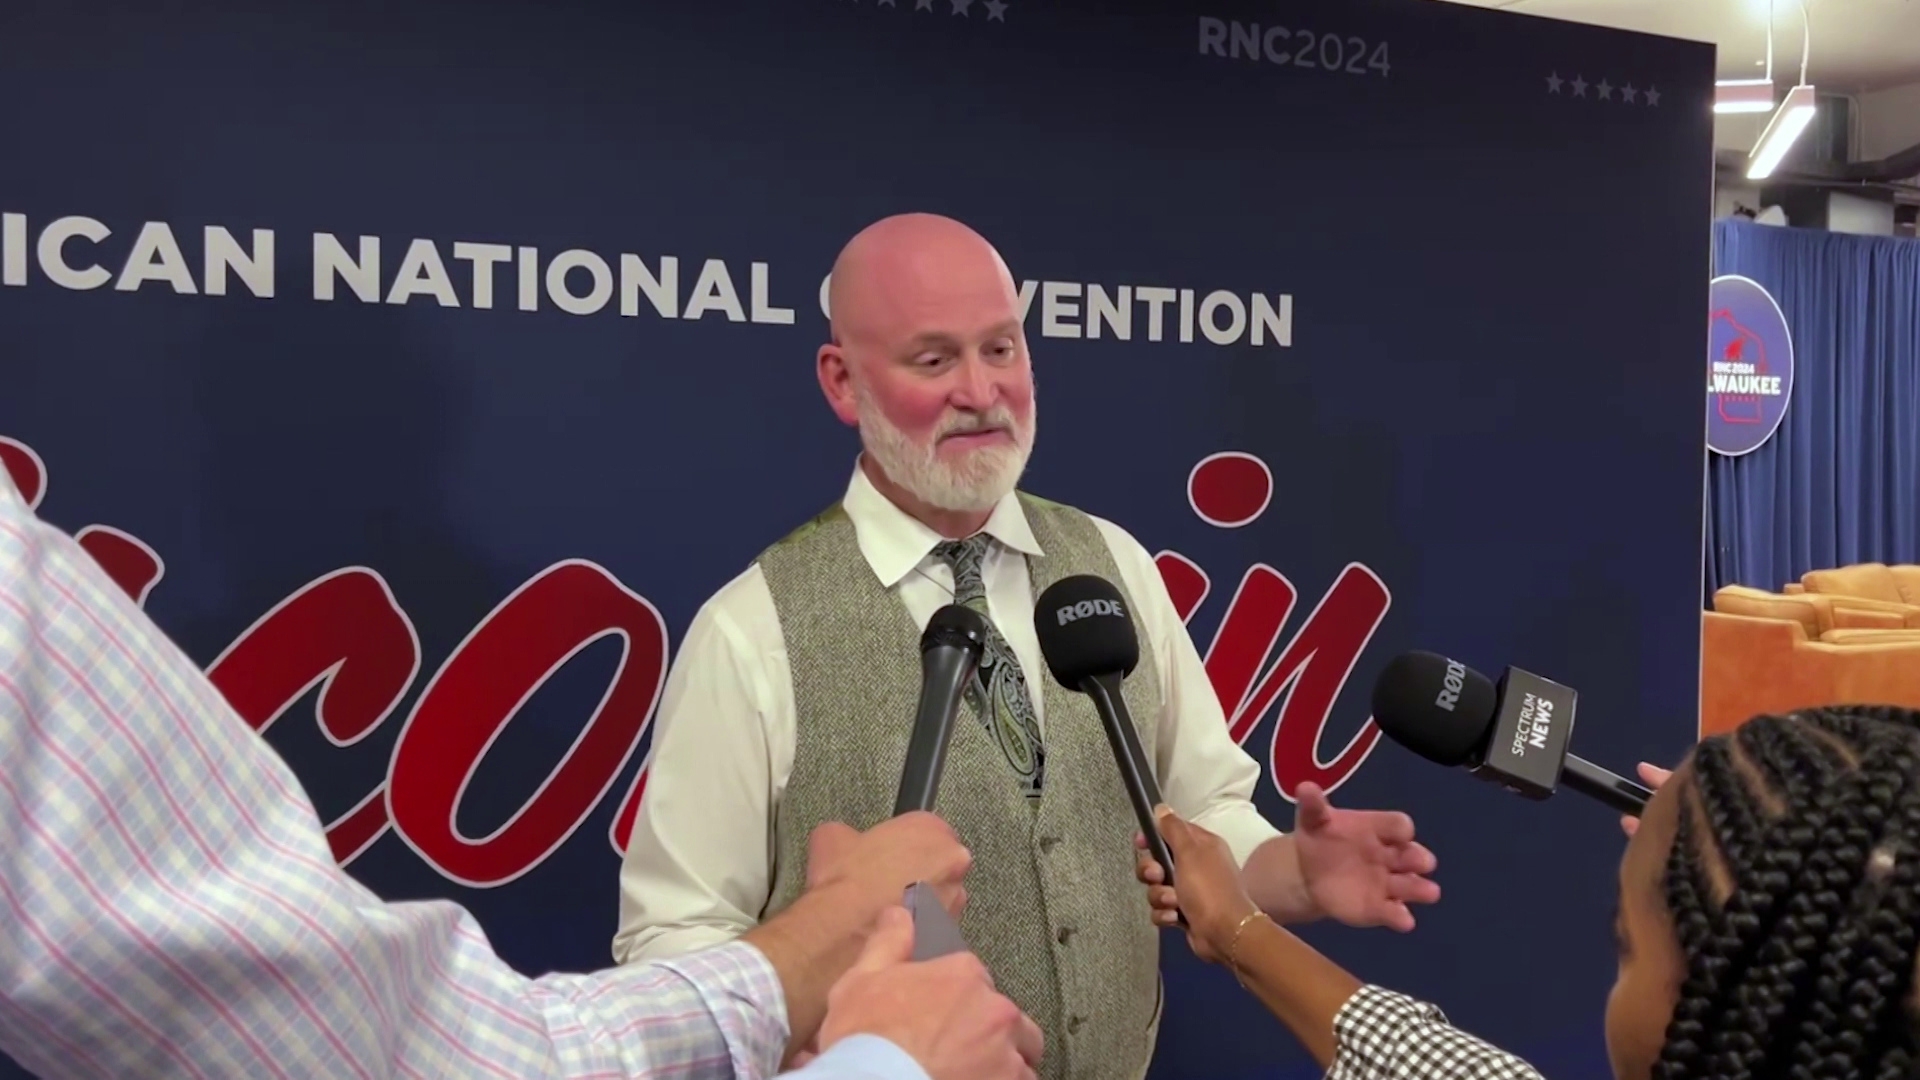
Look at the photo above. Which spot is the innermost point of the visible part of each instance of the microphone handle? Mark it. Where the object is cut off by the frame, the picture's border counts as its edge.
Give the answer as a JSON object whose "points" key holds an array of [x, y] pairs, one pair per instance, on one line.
{"points": [[945, 671], [1611, 788], [1135, 772]]}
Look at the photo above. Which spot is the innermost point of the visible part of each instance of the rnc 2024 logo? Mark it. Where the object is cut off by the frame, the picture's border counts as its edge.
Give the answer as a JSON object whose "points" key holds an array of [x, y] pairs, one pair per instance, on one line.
{"points": [[1749, 366]]}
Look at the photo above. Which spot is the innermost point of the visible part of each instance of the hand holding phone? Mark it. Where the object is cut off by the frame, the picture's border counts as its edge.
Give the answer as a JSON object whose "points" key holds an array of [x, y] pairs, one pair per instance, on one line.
{"points": [[934, 931]]}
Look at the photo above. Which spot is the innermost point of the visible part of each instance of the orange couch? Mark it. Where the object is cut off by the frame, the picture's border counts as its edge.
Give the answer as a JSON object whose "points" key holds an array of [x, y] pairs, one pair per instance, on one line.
{"points": [[1774, 652], [1819, 613], [1877, 582]]}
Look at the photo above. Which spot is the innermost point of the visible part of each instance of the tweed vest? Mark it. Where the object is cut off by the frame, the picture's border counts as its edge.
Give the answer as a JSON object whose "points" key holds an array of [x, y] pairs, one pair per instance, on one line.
{"points": [[1053, 908]]}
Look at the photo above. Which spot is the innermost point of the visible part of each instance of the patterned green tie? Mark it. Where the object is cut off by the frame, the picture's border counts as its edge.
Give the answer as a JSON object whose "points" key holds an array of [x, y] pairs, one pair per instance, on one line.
{"points": [[998, 692]]}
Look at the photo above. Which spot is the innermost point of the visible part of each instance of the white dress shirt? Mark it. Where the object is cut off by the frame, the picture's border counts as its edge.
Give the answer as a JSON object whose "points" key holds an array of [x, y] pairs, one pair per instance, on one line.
{"points": [[699, 866], [169, 906]]}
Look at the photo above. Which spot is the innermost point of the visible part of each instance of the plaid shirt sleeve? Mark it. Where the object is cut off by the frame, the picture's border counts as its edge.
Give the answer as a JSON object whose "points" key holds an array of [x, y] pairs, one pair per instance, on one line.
{"points": [[169, 906], [1381, 1035]]}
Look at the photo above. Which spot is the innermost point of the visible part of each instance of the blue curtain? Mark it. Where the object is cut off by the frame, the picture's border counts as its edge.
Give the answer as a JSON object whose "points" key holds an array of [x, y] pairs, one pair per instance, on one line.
{"points": [[1839, 482]]}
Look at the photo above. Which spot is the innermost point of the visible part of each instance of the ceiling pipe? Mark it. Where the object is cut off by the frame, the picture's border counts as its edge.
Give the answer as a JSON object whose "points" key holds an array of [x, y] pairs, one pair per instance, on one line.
{"points": [[1897, 166]]}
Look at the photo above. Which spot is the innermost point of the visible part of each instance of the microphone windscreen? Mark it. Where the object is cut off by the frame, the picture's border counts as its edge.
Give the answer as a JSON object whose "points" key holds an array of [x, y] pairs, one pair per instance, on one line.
{"points": [[956, 625], [1084, 630], [1438, 708]]}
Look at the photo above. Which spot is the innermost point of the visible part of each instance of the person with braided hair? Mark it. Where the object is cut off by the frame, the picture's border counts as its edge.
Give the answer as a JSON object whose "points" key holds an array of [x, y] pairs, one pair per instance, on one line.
{"points": [[1768, 924]]}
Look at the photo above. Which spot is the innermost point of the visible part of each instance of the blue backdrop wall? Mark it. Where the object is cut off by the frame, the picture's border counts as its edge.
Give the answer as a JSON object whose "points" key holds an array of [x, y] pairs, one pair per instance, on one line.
{"points": [[1839, 482], [374, 343]]}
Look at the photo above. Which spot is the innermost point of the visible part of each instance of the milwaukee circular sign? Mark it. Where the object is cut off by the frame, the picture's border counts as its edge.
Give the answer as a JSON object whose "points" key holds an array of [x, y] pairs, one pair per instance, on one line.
{"points": [[1749, 366]]}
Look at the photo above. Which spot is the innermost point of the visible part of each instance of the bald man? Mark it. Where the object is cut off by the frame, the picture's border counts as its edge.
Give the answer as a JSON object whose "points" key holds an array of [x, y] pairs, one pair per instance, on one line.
{"points": [[791, 698]]}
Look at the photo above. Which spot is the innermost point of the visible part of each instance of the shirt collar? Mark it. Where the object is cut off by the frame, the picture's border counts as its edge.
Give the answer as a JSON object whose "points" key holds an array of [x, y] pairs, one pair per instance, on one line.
{"points": [[894, 542]]}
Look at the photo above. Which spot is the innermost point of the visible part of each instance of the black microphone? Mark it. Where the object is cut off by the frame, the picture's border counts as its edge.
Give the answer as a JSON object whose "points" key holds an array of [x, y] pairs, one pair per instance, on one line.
{"points": [[950, 651], [1089, 644], [1514, 734]]}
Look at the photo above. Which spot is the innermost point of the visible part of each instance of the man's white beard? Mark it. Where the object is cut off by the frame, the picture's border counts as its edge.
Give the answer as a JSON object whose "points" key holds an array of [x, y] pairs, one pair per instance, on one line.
{"points": [[973, 483]]}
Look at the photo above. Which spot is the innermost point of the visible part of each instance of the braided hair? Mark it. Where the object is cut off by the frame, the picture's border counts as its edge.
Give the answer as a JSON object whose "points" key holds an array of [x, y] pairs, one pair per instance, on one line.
{"points": [[1794, 888]]}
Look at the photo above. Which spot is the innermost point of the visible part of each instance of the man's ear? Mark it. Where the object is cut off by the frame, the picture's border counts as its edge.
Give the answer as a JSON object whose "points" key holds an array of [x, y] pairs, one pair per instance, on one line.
{"points": [[836, 382]]}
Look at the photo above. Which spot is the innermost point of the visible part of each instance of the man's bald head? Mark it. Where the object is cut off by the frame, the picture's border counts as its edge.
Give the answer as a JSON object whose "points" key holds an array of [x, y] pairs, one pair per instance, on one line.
{"points": [[928, 359], [906, 268]]}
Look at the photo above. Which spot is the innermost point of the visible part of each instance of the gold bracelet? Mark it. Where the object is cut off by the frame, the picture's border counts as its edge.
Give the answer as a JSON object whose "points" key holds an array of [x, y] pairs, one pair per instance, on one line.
{"points": [[1233, 947]]}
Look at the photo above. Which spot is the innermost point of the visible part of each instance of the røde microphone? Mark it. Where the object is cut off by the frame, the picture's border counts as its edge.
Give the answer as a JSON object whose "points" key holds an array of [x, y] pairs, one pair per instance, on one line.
{"points": [[1089, 644], [1515, 734], [950, 651]]}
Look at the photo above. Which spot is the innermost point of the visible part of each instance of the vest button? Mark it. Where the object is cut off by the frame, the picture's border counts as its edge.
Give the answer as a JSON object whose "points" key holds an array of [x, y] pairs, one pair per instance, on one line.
{"points": [[1047, 842], [1065, 933], [1074, 1022]]}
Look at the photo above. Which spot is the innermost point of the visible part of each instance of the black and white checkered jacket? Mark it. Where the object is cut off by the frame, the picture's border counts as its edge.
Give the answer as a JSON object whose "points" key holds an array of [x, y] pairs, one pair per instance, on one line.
{"points": [[1381, 1035]]}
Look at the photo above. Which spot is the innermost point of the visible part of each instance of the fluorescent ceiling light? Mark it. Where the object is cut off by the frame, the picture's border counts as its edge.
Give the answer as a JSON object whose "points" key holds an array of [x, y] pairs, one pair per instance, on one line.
{"points": [[1743, 95], [1793, 116]]}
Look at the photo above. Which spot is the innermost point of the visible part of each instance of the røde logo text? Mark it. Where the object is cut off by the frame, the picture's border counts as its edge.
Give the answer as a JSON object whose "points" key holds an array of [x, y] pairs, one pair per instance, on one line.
{"points": [[1086, 608], [1451, 685]]}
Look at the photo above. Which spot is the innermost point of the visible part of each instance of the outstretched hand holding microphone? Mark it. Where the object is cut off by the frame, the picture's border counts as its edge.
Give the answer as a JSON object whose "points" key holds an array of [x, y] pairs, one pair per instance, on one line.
{"points": [[1450, 714], [1303, 989], [1514, 732]]}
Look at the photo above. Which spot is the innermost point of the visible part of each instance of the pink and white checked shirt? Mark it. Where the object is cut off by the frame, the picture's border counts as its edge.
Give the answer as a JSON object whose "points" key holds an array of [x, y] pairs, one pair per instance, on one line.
{"points": [[169, 906]]}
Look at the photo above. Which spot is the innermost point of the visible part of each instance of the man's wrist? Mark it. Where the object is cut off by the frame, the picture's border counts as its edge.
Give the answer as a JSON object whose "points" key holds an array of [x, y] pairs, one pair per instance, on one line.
{"points": [[1273, 879], [823, 920], [811, 944]]}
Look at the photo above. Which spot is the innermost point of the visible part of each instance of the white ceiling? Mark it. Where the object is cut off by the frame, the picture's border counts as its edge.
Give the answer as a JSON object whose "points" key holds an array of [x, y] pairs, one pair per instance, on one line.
{"points": [[1858, 45]]}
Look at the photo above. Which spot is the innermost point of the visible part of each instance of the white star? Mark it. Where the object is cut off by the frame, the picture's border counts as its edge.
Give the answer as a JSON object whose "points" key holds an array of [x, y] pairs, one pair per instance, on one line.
{"points": [[997, 9], [1606, 90], [1653, 96], [960, 7], [923, 5], [886, 3], [1626, 91], [1553, 83], [1579, 86]]}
